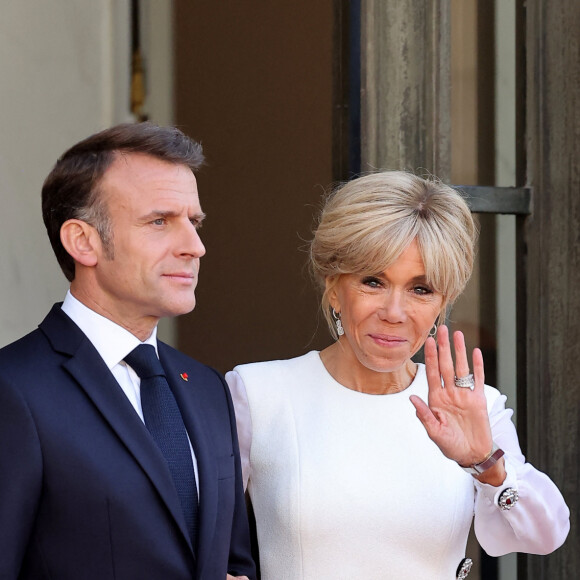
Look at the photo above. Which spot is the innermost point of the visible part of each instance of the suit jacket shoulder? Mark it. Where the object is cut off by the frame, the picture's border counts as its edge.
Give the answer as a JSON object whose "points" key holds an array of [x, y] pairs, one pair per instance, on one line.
{"points": [[88, 489]]}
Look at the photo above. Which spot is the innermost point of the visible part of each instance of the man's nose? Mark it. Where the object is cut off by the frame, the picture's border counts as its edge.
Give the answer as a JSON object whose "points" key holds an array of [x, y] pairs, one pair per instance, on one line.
{"points": [[191, 243]]}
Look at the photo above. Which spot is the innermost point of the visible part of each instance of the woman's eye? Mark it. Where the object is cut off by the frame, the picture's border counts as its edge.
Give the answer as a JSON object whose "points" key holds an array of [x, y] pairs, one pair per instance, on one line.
{"points": [[422, 290], [372, 282]]}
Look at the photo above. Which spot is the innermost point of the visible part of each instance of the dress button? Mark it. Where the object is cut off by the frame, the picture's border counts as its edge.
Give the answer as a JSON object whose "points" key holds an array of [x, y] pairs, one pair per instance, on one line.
{"points": [[508, 498], [464, 568]]}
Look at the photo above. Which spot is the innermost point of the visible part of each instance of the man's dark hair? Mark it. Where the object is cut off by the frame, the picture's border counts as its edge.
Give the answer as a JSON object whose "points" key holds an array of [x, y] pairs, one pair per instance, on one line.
{"points": [[71, 190]]}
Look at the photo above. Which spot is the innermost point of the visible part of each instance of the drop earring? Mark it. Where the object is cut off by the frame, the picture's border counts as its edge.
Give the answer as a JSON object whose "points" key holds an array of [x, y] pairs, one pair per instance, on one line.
{"points": [[433, 331], [338, 322]]}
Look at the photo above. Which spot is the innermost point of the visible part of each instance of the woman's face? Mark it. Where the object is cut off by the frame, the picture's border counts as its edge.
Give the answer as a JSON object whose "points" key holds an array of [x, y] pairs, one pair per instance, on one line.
{"points": [[386, 316]]}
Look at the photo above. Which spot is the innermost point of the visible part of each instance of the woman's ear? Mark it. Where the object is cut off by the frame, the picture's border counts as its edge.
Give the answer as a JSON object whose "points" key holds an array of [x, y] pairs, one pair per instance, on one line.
{"points": [[442, 316], [81, 241], [331, 293]]}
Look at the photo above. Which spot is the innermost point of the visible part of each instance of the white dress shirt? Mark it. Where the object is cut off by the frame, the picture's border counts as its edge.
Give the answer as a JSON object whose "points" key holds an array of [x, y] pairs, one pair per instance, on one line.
{"points": [[114, 343]]}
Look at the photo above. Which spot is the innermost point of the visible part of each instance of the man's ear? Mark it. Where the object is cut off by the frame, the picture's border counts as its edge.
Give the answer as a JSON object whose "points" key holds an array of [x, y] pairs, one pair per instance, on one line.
{"points": [[81, 241]]}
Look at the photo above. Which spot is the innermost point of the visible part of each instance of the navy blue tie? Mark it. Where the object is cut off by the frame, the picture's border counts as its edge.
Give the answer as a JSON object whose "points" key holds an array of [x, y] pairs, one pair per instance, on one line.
{"points": [[164, 421]]}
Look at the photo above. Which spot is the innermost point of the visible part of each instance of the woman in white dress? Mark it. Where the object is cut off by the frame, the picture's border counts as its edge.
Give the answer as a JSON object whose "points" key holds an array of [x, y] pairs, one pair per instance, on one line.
{"points": [[361, 463]]}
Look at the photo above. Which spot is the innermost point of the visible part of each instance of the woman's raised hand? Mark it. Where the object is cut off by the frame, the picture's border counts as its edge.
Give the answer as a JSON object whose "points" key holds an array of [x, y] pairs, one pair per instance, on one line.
{"points": [[455, 417]]}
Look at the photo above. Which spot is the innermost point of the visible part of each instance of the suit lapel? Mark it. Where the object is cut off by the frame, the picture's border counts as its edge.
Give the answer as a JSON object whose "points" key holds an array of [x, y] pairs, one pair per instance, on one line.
{"points": [[89, 370], [191, 404]]}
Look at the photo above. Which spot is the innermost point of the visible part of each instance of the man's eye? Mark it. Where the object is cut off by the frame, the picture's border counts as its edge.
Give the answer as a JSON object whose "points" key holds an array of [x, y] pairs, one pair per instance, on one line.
{"points": [[159, 222], [196, 223]]}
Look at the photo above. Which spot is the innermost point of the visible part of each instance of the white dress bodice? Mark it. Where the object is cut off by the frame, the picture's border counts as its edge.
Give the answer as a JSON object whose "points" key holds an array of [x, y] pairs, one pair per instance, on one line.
{"points": [[347, 485]]}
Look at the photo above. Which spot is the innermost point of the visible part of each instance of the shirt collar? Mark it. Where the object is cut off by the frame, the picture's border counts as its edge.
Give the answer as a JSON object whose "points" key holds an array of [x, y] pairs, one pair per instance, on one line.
{"points": [[113, 342]]}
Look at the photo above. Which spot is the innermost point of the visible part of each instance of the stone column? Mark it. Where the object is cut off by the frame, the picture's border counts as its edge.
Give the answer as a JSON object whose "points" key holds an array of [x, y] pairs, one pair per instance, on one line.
{"points": [[405, 85], [552, 232]]}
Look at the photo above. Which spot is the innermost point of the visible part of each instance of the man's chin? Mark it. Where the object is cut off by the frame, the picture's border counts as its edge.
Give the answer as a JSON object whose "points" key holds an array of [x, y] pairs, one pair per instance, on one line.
{"points": [[171, 309], [179, 309]]}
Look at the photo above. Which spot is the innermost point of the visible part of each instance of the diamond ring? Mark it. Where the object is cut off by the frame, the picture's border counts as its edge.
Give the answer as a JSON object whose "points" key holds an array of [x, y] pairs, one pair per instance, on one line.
{"points": [[465, 382]]}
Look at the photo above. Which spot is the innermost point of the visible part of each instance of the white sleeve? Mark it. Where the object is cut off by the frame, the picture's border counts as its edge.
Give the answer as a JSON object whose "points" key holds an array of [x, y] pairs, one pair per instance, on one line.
{"points": [[540, 521], [243, 420]]}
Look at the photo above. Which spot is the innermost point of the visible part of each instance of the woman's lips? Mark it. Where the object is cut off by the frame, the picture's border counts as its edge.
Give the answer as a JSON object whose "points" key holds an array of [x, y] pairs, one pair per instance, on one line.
{"points": [[388, 339]]}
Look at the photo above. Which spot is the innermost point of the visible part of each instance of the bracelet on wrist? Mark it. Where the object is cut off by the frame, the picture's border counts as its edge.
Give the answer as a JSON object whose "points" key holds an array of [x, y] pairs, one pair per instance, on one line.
{"points": [[478, 468]]}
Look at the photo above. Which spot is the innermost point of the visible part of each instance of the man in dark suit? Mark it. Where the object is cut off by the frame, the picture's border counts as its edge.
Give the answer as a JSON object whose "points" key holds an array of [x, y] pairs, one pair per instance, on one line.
{"points": [[109, 468]]}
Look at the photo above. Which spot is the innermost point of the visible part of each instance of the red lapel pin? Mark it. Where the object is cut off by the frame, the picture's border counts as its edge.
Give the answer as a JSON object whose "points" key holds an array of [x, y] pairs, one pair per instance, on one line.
{"points": [[184, 376]]}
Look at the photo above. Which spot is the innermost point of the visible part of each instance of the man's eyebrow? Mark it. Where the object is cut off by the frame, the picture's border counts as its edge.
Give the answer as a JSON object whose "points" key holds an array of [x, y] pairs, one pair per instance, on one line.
{"points": [[158, 213], [162, 213]]}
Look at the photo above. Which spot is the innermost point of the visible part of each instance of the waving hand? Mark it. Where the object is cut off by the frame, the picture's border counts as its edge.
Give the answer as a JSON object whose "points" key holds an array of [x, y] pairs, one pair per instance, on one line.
{"points": [[456, 417]]}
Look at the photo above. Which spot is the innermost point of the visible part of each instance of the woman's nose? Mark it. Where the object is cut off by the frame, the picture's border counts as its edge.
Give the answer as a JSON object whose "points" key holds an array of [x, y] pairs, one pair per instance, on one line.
{"points": [[394, 308]]}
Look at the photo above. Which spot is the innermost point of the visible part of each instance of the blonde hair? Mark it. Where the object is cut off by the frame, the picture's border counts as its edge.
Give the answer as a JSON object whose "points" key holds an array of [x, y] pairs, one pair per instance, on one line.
{"points": [[368, 222]]}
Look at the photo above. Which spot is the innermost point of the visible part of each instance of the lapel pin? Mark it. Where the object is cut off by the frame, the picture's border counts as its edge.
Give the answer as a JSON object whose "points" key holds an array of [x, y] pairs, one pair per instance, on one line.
{"points": [[184, 376]]}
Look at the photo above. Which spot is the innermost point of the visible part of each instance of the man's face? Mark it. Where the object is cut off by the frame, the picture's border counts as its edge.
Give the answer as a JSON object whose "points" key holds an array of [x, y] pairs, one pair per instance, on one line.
{"points": [[155, 213]]}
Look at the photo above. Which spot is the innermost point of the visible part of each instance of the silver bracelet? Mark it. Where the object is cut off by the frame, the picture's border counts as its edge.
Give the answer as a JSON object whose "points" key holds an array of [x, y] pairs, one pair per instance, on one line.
{"points": [[489, 461]]}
